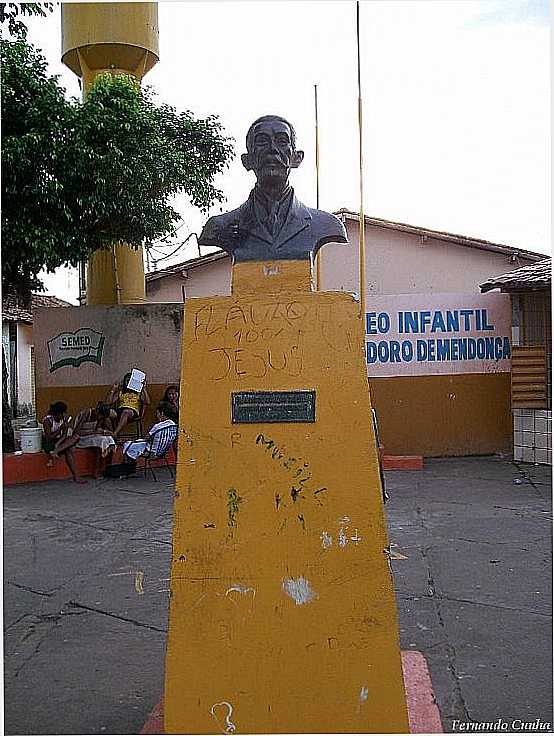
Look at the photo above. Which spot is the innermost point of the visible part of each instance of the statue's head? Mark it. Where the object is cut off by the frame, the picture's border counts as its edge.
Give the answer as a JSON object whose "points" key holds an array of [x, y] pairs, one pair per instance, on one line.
{"points": [[271, 151]]}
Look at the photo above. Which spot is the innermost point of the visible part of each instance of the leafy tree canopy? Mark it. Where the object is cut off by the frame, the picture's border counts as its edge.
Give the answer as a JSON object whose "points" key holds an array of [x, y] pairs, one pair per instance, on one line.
{"points": [[9, 13], [81, 175], [133, 155]]}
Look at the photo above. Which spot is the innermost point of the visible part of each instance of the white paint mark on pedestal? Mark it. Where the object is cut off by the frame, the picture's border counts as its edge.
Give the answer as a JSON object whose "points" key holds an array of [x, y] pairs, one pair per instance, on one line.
{"points": [[364, 692], [299, 590], [230, 727], [356, 538], [238, 588]]}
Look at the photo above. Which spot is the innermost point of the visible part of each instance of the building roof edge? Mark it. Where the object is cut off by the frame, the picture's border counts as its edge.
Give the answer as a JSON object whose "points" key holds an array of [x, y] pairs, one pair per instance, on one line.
{"points": [[464, 240]]}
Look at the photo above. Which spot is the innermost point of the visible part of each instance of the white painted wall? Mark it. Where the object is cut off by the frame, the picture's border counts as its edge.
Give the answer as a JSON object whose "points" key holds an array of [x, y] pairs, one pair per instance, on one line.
{"points": [[404, 263], [6, 346], [211, 279], [24, 384]]}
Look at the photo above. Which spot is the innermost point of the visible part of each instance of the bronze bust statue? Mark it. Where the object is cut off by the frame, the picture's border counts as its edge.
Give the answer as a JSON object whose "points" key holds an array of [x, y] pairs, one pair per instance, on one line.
{"points": [[272, 224]]}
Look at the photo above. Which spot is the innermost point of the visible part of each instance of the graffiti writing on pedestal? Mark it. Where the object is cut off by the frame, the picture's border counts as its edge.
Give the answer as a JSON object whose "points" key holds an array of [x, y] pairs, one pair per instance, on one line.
{"points": [[259, 339]]}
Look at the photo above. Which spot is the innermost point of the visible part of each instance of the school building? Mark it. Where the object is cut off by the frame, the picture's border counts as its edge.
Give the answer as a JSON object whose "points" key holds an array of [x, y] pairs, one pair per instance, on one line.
{"points": [[438, 350]]}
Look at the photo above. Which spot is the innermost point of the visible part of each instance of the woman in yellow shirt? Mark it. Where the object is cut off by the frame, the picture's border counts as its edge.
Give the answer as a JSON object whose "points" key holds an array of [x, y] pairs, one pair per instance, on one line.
{"points": [[129, 405]]}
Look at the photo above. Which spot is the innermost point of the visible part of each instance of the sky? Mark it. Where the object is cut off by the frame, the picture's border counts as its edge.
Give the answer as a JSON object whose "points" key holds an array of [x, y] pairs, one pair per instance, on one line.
{"points": [[456, 105]]}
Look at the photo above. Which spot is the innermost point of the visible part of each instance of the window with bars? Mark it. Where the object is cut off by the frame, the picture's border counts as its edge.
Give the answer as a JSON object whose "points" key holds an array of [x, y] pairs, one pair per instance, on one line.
{"points": [[532, 358]]}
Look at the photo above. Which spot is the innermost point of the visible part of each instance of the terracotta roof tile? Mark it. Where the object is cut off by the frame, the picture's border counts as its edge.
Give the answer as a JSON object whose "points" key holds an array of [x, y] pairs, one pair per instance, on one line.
{"points": [[536, 276], [13, 311]]}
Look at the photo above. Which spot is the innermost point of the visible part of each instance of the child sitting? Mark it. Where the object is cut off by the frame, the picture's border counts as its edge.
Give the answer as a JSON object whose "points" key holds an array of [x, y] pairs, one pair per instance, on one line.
{"points": [[129, 405], [55, 432], [151, 445]]}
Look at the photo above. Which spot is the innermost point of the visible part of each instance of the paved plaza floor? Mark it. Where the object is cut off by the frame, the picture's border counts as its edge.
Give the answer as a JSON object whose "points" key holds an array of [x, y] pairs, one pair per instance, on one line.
{"points": [[86, 591]]}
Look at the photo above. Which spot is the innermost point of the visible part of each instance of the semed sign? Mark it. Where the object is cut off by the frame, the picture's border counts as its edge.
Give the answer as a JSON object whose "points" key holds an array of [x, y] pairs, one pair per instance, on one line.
{"points": [[74, 348]]}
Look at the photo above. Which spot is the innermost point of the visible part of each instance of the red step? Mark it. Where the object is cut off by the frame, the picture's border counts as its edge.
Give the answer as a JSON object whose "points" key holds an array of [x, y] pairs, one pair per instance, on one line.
{"points": [[402, 462], [30, 467]]}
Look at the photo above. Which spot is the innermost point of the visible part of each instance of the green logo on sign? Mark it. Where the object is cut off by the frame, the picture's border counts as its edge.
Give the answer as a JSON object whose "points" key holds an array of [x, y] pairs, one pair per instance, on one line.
{"points": [[73, 348]]}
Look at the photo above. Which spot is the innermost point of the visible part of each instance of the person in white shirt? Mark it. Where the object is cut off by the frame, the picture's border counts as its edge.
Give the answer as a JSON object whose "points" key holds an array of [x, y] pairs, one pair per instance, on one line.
{"points": [[134, 449]]}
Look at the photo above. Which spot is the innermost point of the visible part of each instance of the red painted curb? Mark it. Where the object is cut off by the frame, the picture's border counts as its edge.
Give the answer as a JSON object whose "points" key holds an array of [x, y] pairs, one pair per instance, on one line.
{"points": [[423, 712], [155, 722], [402, 462], [31, 467]]}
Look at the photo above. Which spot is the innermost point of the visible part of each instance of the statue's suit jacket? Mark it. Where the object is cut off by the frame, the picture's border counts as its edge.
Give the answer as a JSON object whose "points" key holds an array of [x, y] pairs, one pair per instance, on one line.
{"points": [[305, 230]]}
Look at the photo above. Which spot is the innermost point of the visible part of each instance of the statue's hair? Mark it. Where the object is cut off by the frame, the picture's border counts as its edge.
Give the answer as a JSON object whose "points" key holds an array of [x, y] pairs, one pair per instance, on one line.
{"points": [[266, 118]]}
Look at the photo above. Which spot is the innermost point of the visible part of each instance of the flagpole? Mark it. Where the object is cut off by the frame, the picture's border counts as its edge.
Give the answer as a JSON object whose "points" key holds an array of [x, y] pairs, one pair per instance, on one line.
{"points": [[360, 130], [318, 257]]}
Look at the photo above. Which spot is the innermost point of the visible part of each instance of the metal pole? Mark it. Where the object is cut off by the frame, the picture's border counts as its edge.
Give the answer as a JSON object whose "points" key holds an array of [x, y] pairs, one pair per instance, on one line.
{"points": [[360, 128], [316, 150], [318, 257]]}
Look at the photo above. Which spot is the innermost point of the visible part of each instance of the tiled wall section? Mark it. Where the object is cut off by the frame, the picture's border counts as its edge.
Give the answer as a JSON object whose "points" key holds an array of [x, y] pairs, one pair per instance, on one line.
{"points": [[533, 436]]}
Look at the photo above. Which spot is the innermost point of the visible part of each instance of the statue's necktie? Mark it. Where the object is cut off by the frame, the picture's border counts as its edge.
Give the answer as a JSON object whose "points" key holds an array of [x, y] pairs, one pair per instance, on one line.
{"points": [[272, 219]]}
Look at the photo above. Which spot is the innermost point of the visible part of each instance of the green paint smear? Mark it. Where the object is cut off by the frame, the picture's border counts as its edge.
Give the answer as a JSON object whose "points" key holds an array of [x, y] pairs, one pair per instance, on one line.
{"points": [[233, 501]]}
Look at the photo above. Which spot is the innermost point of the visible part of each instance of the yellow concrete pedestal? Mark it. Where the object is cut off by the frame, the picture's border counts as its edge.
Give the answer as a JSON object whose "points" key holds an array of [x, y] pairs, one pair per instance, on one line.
{"points": [[282, 614]]}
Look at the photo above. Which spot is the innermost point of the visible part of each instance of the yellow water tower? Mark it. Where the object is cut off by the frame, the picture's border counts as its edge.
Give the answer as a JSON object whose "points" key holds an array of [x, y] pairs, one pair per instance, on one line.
{"points": [[120, 38]]}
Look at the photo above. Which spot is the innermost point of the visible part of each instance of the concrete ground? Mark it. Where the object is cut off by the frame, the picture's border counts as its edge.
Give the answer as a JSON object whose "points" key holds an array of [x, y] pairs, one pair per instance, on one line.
{"points": [[86, 594]]}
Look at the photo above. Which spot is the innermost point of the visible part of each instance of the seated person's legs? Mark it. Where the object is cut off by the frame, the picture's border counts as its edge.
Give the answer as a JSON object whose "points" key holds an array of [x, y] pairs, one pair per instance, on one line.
{"points": [[48, 446], [70, 460], [55, 427], [98, 463], [65, 444], [124, 416]]}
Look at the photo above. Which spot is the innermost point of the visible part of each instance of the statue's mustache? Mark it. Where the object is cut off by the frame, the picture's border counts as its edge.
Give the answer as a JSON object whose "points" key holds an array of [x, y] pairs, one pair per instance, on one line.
{"points": [[273, 161]]}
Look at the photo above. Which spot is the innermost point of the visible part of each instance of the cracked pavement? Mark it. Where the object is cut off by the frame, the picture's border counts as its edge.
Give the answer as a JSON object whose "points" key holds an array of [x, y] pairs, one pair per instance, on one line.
{"points": [[86, 591], [475, 592]]}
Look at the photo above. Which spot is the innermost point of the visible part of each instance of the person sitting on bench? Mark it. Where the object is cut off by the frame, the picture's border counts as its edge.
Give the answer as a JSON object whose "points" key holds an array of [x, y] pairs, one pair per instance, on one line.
{"points": [[93, 429], [129, 405], [150, 446], [55, 432]]}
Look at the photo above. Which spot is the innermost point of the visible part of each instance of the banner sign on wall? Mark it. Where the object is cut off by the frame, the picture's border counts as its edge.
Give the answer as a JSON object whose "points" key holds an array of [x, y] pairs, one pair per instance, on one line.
{"points": [[418, 334], [75, 348]]}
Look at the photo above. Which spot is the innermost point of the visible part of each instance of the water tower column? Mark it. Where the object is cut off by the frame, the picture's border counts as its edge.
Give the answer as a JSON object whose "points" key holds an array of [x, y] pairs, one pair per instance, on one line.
{"points": [[119, 38]]}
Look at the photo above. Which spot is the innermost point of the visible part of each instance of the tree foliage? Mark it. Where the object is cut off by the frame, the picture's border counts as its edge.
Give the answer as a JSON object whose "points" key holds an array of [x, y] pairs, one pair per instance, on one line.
{"points": [[81, 175], [132, 156], [10, 12], [36, 122]]}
